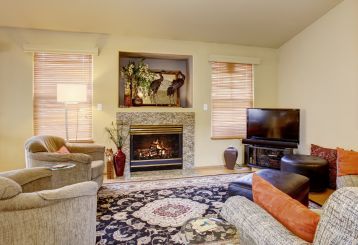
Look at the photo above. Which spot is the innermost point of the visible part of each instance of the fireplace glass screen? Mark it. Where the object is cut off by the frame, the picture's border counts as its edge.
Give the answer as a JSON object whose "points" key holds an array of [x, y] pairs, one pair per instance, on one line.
{"points": [[160, 146], [154, 147]]}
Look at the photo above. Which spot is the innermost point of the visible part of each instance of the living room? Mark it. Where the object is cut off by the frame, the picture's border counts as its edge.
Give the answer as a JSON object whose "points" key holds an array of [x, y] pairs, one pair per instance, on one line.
{"points": [[305, 56]]}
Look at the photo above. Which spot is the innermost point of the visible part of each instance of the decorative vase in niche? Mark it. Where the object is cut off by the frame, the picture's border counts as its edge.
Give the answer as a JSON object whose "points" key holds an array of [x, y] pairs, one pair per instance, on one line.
{"points": [[230, 156], [127, 100], [137, 101], [119, 160]]}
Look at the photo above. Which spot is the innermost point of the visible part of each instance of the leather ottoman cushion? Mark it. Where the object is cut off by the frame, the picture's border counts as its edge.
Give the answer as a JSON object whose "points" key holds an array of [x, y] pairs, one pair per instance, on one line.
{"points": [[295, 185], [315, 168]]}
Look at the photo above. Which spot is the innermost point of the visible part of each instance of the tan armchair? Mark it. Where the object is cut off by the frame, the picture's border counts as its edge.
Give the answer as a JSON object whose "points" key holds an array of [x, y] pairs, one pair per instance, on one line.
{"points": [[62, 216], [89, 159]]}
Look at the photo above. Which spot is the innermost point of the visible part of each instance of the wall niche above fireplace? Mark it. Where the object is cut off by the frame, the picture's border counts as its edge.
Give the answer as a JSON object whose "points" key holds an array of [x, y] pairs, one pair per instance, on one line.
{"points": [[168, 83]]}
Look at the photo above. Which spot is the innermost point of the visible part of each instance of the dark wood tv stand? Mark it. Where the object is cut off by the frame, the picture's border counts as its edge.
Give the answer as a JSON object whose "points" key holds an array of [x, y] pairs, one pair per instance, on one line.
{"points": [[266, 154]]}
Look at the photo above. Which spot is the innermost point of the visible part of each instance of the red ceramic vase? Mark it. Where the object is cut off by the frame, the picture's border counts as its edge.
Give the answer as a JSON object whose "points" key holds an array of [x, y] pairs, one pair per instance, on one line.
{"points": [[119, 160], [127, 100]]}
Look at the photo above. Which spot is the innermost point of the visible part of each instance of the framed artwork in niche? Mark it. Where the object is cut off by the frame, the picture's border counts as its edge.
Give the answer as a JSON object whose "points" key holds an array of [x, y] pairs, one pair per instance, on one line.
{"points": [[154, 80]]}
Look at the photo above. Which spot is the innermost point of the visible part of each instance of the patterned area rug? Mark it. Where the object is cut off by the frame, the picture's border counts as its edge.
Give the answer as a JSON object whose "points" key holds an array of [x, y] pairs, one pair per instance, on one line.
{"points": [[152, 212]]}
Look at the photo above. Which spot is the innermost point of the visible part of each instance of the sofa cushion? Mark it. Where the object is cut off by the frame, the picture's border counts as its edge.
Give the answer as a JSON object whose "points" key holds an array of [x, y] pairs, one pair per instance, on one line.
{"points": [[8, 188], [339, 220], [97, 168], [347, 181], [347, 162], [331, 156], [292, 214]]}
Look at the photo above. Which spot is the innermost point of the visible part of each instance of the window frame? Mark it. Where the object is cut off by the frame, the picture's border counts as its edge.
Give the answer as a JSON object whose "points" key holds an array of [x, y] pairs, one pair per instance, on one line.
{"points": [[239, 61], [88, 106]]}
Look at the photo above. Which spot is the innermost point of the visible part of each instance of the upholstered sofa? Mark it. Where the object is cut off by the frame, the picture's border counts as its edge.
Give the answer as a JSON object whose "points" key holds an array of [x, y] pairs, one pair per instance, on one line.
{"points": [[347, 181], [33, 216], [338, 224], [89, 159]]}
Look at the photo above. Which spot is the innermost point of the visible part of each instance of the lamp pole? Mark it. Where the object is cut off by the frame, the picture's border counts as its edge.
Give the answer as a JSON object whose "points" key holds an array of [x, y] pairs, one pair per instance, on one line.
{"points": [[66, 122]]}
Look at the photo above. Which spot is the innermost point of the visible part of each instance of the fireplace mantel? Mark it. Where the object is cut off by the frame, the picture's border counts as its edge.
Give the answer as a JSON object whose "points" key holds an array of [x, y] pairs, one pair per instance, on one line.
{"points": [[187, 119]]}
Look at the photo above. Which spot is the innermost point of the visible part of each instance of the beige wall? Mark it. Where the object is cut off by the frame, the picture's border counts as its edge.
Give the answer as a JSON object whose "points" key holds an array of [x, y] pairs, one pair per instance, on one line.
{"points": [[318, 72], [16, 85]]}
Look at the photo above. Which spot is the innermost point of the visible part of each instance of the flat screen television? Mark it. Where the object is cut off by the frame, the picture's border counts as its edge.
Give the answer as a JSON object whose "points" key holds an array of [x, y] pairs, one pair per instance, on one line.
{"points": [[273, 124]]}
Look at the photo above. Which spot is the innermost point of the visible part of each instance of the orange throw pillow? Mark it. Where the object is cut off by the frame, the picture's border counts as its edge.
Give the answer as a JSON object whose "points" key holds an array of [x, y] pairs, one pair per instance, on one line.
{"points": [[347, 162], [63, 150], [292, 214]]}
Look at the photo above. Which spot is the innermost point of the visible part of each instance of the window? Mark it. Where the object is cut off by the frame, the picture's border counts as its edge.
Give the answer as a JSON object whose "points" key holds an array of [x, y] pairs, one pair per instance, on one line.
{"points": [[51, 70], [231, 94]]}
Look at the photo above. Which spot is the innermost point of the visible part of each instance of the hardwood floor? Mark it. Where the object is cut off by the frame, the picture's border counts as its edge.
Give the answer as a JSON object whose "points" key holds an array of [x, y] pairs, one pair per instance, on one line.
{"points": [[319, 198], [169, 174]]}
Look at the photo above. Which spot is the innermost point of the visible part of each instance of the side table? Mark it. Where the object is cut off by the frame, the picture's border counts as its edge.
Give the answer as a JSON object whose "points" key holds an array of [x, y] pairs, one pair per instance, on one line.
{"points": [[61, 174], [109, 163], [60, 166]]}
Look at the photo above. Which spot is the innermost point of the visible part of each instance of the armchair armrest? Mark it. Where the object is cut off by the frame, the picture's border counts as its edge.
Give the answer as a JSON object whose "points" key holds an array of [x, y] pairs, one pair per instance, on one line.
{"points": [[93, 150], [255, 225], [84, 148], [27, 175], [25, 201], [88, 188], [31, 179], [56, 157]]}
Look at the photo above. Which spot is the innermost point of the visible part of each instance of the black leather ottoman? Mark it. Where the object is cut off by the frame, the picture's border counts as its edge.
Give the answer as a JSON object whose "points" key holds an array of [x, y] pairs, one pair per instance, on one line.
{"points": [[315, 168], [295, 185]]}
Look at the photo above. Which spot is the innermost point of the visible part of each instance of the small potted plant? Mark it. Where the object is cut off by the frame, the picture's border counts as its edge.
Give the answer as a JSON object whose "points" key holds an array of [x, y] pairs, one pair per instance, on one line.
{"points": [[138, 78], [118, 137]]}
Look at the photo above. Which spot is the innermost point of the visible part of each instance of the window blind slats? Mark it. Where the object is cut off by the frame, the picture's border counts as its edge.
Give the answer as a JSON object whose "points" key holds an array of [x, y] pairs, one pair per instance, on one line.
{"points": [[231, 94], [49, 115]]}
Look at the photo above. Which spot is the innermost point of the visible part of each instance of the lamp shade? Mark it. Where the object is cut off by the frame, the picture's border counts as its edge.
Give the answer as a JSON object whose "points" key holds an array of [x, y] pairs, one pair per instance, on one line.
{"points": [[71, 93]]}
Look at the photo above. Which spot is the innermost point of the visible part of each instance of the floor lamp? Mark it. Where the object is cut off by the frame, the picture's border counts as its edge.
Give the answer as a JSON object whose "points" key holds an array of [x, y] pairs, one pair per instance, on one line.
{"points": [[71, 93]]}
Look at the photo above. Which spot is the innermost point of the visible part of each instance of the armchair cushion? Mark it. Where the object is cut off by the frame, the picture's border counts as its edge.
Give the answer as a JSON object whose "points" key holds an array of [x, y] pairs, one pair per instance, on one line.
{"points": [[8, 188], [43, 143], [84, 148], [95, 151], [55, 157], [347, 181]]}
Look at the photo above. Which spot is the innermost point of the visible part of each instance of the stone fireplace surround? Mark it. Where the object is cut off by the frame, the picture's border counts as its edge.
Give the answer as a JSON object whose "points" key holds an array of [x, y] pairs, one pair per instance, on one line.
{"points": [[187, 119]]}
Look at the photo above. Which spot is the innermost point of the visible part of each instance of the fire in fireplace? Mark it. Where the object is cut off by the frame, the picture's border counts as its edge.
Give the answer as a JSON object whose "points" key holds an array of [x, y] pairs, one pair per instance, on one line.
{"points": [[154, 147]]}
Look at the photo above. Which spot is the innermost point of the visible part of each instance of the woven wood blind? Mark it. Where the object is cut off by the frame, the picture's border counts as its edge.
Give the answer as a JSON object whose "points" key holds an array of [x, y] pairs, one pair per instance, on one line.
{"points": [[51, 69], [231, 94]]}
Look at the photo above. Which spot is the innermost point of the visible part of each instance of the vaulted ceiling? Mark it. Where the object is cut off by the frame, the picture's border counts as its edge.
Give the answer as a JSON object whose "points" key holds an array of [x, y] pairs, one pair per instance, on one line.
{"points": [[265, 23]]}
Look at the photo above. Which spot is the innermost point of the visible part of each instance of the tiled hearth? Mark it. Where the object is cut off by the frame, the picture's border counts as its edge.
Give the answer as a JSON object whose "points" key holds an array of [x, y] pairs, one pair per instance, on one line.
{"points": [[186, 119]]}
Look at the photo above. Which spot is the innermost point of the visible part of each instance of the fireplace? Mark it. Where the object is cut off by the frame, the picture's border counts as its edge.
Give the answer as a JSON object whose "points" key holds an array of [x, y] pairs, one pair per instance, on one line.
{"points": [[156, 147]]}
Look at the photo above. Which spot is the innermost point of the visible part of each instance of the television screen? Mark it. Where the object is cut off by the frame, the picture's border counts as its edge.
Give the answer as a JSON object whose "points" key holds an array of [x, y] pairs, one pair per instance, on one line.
{"points": [[273, 124]]}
